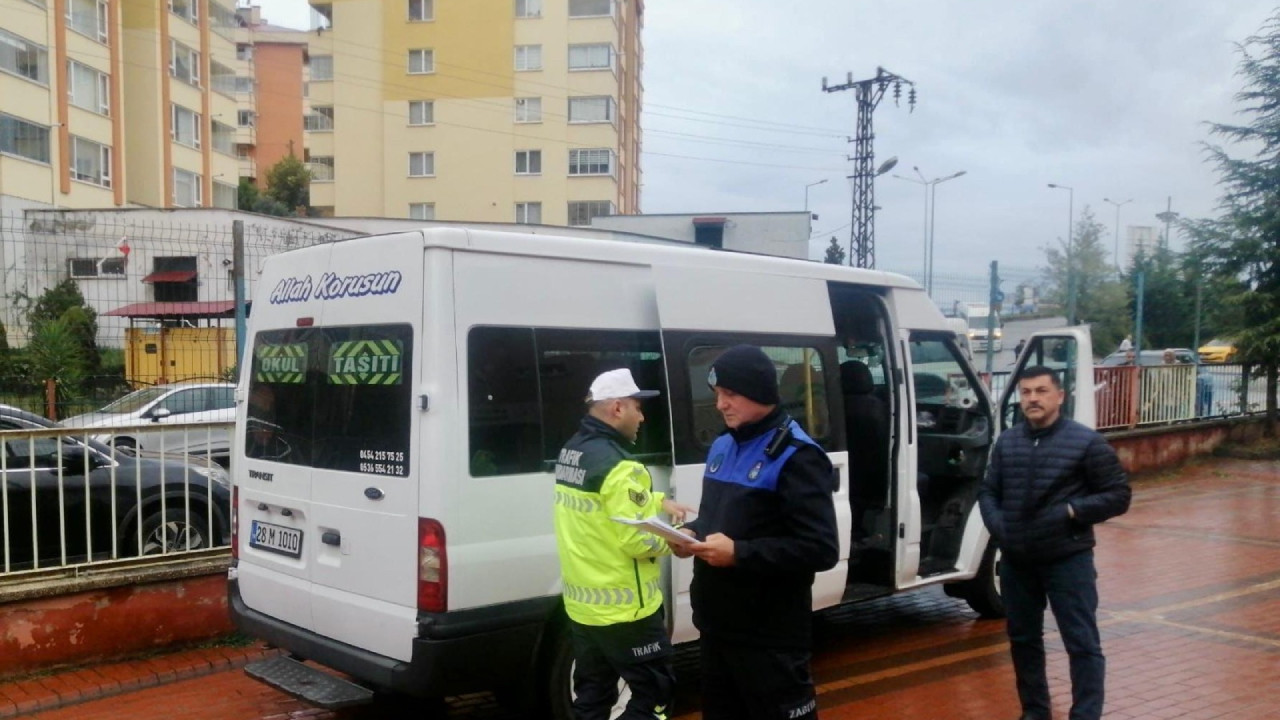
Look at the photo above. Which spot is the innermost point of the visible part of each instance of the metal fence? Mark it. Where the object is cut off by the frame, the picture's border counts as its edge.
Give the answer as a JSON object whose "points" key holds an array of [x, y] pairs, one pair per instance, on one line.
{"points": [[1129, 397], [153, 298], [68, 501]]}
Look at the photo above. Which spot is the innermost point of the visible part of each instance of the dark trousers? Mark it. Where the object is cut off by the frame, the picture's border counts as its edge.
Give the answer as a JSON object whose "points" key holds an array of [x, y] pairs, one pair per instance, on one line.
{"points": [[1070, 586], [638, 652], [742, 682]]}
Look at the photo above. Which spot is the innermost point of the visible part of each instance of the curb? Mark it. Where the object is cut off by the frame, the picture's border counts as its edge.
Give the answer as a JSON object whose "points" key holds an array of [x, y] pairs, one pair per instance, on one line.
{"points": [[94, 682]]}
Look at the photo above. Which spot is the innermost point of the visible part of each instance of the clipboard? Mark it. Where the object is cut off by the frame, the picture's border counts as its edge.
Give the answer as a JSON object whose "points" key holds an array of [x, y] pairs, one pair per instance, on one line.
{"points": [[657, 526]]}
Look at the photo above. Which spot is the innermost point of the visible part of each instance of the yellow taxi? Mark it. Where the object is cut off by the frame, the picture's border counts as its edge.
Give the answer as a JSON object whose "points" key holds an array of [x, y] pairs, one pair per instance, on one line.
{"points": [[1217, 350]]}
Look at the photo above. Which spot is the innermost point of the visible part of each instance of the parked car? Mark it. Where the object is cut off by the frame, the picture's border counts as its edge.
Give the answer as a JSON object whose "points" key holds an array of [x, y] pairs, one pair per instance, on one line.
{"points": [[1148, 358], [1217, 350], [167, 405], [145, 506]]}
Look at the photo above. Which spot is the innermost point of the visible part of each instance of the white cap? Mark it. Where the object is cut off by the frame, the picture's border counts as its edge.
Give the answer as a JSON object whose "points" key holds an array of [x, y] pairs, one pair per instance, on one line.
{"points": [[617, 384]]}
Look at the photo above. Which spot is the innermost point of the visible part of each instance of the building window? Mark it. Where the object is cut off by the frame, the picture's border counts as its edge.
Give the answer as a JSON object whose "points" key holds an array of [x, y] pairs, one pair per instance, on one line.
{"points": [[529, 110], [321, 167], [244, 118], [89, 18], [95, 267], [244, 51], [528, 162], [591, 57], [590, 8], [186, 9], [422, 211], [422, 112], [225, 196], [580, 213], [422, 62], [24, 139], [320, 119], [528, 8], [186, 189], [244, 151], [90, 162], [591, 109], [184, 63], [528, 57], [186, 127], [422, 164], [222, 19], [224, 138], [321, 16], [422, 10], [321, 68], [87, 88], [593, 161], [222, 78], [244, 85], [529, 213], [24, 59]]}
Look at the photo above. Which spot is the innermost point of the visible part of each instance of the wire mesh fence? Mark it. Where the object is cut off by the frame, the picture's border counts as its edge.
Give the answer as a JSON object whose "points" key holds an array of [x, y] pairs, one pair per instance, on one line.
{"points": [[98, 303]]}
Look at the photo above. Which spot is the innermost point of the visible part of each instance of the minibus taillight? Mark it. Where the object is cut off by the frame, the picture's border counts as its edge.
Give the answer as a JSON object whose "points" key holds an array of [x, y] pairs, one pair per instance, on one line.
{"points": [[235, 523], [433, 567]]}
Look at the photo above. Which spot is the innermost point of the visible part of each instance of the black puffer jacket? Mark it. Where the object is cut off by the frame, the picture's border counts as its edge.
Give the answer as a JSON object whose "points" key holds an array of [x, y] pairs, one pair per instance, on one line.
{"points": [[1034, 473]]}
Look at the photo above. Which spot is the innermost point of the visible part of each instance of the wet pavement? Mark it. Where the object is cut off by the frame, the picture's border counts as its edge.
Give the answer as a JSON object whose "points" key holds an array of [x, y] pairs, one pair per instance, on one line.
{"points": [[1190, 619]]}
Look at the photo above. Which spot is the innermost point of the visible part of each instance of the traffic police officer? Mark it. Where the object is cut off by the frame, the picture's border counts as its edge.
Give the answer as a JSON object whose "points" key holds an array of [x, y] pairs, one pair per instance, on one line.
{"points": [[767, 523], [612, 588]]}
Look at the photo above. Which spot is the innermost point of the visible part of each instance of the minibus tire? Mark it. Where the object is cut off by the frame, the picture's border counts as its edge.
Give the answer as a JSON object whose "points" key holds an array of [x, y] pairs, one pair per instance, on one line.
{"points": [[557, 694], [983, 591]]}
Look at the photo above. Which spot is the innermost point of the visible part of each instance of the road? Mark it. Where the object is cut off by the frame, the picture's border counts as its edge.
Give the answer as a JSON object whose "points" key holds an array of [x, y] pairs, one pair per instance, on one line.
{"points": [[1190, 596]]}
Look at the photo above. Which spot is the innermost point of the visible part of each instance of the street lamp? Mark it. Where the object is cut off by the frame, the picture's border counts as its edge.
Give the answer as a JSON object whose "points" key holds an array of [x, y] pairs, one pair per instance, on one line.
{"points": [[806, 192], [1071, 269], [1117, 204], [930, 208]]}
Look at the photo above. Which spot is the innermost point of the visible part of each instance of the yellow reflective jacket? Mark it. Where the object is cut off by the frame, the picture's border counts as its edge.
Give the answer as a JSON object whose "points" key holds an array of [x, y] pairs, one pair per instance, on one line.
{"points": [[610, 570]]}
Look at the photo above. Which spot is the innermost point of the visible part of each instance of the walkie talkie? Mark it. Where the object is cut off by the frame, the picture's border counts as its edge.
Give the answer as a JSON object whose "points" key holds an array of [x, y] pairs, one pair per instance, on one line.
{"points": [[781, 440]]}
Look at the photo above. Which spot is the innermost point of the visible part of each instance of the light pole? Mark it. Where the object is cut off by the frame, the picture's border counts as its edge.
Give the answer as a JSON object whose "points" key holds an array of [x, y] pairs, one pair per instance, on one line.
{"points": [[930, 210], [1117, 204], [1071, 267], [806, 192]]}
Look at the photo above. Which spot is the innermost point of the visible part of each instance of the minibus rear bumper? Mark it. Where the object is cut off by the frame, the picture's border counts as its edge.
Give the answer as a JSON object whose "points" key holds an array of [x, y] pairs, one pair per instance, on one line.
{"points": [[489, 648]]}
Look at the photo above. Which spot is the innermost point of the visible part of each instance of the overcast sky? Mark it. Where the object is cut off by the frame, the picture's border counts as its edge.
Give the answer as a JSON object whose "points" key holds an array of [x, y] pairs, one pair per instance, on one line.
{"points": [[1109, 97]]}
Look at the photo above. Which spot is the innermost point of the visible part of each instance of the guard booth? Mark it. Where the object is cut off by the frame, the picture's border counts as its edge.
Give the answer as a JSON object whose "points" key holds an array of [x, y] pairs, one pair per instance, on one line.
{"points": [[172, 341]]}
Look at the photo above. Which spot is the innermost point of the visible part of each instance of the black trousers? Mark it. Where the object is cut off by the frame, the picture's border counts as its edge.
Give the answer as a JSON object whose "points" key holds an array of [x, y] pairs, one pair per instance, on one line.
{"points": [[744, 682], [1070, 588], [638, 652]]}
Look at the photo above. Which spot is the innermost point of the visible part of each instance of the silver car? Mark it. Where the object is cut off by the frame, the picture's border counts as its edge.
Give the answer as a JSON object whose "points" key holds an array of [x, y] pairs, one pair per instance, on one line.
{"points": [[170, 407]]}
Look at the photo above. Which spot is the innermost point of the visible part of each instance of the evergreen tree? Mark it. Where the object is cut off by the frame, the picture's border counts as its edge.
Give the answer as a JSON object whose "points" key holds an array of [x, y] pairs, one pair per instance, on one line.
{"points": [[835, 253], [1100, 299], [289, 183], [1243, 242]]}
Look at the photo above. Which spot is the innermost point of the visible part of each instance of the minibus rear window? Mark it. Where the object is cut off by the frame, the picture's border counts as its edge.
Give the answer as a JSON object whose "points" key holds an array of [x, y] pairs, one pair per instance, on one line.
{"points": [[337, 398]]}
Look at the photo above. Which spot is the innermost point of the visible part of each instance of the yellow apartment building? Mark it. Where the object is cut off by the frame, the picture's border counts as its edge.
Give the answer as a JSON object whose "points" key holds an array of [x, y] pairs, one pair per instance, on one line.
{"points": [[485, 110], [117, 103]]}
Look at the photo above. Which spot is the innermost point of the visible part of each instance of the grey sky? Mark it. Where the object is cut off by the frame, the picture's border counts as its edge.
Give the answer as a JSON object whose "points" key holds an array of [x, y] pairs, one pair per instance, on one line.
{"points": [[1107, 96]]}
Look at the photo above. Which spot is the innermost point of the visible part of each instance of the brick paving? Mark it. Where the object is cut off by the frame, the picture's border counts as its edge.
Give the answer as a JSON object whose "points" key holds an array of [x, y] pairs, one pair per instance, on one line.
{"points": [[1190, 618]]}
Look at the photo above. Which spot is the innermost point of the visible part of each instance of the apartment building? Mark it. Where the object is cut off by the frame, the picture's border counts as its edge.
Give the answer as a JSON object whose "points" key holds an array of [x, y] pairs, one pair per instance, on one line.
{"points": [[270, 92], [487, 110], [116, 103]]}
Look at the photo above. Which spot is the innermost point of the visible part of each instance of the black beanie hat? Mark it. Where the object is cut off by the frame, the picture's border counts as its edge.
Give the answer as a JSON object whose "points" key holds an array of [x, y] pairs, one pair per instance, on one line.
{"points": [[746, 370]]}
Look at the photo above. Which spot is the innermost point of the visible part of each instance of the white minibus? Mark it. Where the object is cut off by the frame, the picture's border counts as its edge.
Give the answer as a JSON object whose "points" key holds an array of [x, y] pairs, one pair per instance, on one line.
{"points": [[403, 397]]}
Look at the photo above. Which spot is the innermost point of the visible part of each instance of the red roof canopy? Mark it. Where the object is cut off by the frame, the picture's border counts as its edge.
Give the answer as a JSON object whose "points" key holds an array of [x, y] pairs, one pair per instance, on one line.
{"points": [[170, 276], [208, 309]]}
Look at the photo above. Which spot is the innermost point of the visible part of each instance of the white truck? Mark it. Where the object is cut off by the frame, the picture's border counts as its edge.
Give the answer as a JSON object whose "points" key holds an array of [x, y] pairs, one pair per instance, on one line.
{"points": [[976, 317]]}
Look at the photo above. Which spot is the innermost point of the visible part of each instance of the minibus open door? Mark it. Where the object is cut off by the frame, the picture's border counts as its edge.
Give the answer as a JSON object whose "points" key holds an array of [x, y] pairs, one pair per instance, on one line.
{"points": [[1069, 351]]}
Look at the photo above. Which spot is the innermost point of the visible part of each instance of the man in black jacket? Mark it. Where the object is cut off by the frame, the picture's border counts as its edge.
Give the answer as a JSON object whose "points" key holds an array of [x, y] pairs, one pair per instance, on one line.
{"points": [[767, 524], [1049, 481]]}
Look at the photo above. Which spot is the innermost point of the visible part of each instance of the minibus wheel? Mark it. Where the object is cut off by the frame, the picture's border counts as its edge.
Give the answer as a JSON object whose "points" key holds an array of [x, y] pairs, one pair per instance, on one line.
{"points": [[558, 685], [983, 591]]}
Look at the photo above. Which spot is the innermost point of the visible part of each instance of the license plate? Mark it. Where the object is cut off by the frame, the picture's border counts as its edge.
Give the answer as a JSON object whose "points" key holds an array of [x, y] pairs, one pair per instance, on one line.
{"points": [[276, 539]]}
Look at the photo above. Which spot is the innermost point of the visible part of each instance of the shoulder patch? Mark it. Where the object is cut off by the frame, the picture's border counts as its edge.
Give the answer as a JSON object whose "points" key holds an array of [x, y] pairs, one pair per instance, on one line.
{"points": [[639, 497]]}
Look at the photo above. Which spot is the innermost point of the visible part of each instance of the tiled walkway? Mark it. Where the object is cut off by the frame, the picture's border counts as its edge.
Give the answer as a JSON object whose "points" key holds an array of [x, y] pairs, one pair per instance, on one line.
{"points": [[1190, 586]]}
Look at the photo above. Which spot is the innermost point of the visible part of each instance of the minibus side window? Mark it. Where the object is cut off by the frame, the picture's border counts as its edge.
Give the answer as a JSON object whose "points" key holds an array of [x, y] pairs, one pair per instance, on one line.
{"points": [[527, 387], [801, 390]]}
